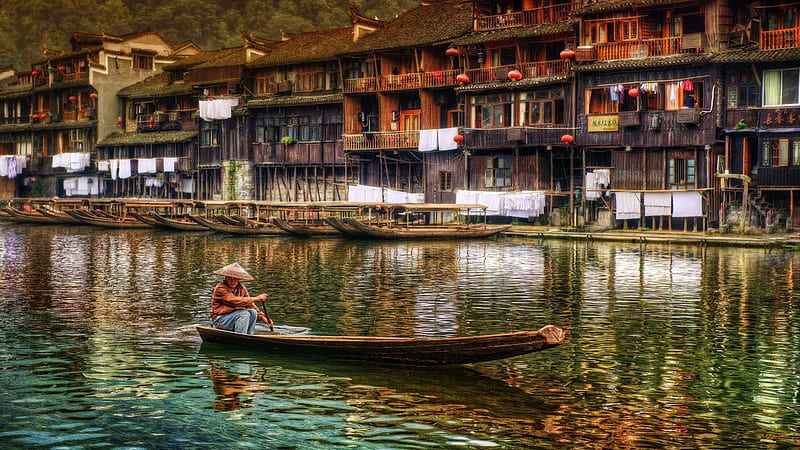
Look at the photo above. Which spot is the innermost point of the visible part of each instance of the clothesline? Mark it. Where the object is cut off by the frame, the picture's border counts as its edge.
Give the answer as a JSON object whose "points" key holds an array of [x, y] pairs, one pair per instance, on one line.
{"points": [[652, 81]]}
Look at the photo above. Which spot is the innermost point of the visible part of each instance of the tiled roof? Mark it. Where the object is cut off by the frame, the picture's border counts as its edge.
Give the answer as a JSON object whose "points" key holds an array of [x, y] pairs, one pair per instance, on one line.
{"points": [[643, 63], [158, 137], [225, 58], [510, 85], [753, 55], [480, 37], [22, 90], [296, 100], [426, 24], [155, 86], [603, 6], [307, 47], [199, 58], [71, 125]]}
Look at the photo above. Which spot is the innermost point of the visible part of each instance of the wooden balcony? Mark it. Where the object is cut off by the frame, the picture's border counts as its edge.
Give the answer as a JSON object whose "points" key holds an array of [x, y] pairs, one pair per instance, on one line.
{"points": [[549, 14], [209, 157], [495, 138], [387, 140], [646, 48], [163, 121], [300, 153], [355, 85], [439, 78], [778, 176], [778, 39], [81, 114]]}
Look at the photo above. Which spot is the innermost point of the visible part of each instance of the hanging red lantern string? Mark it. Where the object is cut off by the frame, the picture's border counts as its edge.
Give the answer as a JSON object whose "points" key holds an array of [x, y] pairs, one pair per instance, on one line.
{"points": [[514, 75], [567, 53], [93, 96], [451, 51], [462, 78], [459, 139], [567, 139]]}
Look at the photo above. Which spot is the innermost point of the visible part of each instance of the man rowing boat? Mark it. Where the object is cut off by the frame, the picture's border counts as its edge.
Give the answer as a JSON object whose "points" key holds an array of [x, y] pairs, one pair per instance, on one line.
{"points": [[232, 308]]}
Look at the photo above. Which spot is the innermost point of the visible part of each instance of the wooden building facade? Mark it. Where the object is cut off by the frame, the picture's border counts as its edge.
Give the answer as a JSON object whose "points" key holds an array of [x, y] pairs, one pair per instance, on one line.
{"points": [[295, 119]]}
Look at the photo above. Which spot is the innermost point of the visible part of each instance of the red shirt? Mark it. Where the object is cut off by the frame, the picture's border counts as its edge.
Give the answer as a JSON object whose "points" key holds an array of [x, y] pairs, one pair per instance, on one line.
{"points": [[225, 299]]}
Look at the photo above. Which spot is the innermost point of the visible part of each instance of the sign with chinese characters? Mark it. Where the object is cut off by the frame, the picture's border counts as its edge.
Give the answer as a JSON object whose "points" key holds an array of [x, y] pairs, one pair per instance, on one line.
{"points": [[603, 123]]}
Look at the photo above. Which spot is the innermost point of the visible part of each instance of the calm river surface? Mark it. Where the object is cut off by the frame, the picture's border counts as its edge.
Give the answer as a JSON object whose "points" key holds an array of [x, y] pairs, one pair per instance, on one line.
{"points": [[668, 346]]}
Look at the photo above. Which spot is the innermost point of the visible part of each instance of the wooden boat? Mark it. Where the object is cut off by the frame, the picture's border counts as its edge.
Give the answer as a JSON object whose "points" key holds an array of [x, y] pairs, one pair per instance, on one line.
{"points": [[252, 227], [103, 222], [144, 219], [20, 216], [343, 228], [457, 350], [306, 229], [426, 232], [60, 217], [182, 224]]}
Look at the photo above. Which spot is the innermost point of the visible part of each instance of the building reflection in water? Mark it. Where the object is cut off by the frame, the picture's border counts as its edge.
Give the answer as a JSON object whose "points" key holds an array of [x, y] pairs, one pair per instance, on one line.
{"points": [[234, 386]]}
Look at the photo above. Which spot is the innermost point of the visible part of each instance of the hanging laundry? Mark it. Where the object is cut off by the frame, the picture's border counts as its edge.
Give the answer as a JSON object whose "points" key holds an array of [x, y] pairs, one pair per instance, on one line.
{"points": [[124, 168], [169, 164]]}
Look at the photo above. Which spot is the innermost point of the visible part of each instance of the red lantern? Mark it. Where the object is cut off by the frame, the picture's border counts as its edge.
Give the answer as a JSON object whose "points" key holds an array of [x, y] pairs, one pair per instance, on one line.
{"points": [[451, 51], [35, 117], [634, 92], [93, 96], [462, 78], [151, 121], [567, 139], [119, 121], [62, 68], [35, 73], [73, 99], [514, 75], [459, 139], [567, 53]]}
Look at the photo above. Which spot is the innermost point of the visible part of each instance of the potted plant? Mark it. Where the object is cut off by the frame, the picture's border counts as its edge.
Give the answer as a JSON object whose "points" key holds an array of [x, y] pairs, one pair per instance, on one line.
{"points": [[287, 140]]}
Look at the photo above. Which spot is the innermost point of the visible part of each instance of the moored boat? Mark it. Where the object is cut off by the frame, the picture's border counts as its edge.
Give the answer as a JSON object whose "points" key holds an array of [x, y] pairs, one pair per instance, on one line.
{"points": [[415, 351], [251, 228], [182, 224], [426, 232], [307, 228], [104, 222], [60, 217], [344, 228], [21, 216]]}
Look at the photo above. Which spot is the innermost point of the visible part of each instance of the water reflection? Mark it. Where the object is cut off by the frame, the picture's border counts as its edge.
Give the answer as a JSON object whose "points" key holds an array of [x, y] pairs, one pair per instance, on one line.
{"points": [[675, 346]]}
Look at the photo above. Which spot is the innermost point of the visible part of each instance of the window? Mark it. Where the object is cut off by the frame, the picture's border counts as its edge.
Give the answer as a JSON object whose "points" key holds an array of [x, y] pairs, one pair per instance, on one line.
{"points": [[492, 111], [264, 85], [445, 181], [77, 140], [597, 33], [209, 134], [310, 81], [681, 173], [777, 153], [24, 148], [142, 62], [504, 56], [627, 31], [542, 107], [498, 172], [781, 87]]}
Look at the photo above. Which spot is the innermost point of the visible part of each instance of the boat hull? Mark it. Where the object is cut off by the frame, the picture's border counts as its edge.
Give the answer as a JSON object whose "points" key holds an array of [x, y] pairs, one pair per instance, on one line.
{"points": [[432, 232], [426, 352], [238, 229], [306, 230]]}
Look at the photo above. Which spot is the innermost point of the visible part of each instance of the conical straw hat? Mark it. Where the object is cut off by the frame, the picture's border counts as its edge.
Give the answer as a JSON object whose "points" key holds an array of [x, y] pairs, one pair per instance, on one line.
{"points": [[234, 270]]}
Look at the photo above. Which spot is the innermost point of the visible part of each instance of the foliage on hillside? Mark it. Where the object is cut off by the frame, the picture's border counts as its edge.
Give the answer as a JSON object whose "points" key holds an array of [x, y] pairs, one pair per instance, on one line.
{"points": [[28, 27]]}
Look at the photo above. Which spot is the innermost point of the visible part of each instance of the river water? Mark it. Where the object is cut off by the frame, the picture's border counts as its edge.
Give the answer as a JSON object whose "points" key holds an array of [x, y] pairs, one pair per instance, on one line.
{"points": [[668, 346]]}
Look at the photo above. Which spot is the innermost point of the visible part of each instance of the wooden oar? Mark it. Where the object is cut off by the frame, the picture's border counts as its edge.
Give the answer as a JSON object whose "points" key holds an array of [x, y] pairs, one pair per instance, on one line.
{"points": [[266, 313]]}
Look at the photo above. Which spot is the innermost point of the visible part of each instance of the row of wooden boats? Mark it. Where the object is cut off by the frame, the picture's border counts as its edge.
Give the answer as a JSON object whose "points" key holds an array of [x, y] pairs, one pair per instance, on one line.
{"points": [[373, 221]]}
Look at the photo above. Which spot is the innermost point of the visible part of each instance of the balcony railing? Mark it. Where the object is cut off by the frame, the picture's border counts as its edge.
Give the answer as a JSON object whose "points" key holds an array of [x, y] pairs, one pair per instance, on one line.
{"points": [[549, 14], [777, 39], [389, 140], [509, 137], [437, 78], [641, 49]]}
